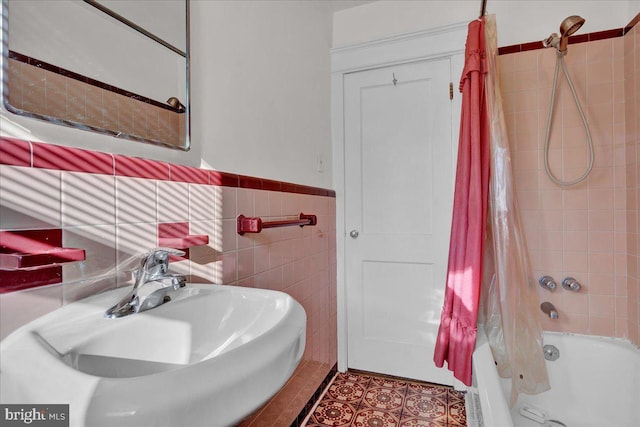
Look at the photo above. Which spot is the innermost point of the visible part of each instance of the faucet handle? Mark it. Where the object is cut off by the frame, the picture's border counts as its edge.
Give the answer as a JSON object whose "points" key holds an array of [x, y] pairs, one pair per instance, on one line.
{"points": [[156, 261], [547, 282], [162, 253], [170, 251], [571, 284]]}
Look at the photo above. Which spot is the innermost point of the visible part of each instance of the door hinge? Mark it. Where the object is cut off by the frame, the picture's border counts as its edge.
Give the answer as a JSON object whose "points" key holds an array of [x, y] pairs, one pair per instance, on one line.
{"points": [[451, 90]]}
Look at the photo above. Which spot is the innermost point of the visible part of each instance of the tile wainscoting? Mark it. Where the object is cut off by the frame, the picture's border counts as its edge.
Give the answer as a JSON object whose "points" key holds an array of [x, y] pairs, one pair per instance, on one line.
{"points": [[112, 206]]}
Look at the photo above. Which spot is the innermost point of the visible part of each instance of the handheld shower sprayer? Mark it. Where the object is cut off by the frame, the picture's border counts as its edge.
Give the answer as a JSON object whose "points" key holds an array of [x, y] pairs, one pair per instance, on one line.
{"points": [[569, 25]]}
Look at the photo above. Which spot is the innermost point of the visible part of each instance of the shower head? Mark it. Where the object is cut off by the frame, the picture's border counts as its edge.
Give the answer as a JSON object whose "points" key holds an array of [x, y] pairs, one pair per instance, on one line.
{"points": [[569, 26]]}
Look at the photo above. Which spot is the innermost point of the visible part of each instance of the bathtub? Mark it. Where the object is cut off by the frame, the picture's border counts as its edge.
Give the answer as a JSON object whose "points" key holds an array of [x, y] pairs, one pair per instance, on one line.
{"points": [[594, 382]]}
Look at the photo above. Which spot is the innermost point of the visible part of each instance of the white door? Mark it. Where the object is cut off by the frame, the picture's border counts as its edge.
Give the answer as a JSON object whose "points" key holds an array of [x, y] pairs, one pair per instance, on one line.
{"points": [[398, 199]]}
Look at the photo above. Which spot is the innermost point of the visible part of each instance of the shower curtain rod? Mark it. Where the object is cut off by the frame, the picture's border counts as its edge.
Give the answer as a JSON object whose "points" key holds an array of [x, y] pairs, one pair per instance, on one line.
{"points": [[483, 8]]}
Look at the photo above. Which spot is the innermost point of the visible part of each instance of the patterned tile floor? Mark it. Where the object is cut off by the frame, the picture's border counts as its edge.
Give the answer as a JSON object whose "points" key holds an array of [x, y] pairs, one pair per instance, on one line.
{"points": [[368, 400]]}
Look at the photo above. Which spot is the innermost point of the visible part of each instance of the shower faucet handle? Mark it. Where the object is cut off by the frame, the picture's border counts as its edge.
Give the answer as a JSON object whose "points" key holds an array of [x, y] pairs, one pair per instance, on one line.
{"points": [[547, 282], [571, 284]]}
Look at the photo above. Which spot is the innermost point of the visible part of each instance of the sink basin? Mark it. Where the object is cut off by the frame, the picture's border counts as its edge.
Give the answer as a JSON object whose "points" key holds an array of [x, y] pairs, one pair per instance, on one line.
{"points": [[209, 357]]}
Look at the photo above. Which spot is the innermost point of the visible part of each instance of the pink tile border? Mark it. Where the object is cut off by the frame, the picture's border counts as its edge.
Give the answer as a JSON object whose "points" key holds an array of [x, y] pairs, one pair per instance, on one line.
{"points": [[190, 174], [48, 156], [17, 152], [141, 168], [630, 25]]}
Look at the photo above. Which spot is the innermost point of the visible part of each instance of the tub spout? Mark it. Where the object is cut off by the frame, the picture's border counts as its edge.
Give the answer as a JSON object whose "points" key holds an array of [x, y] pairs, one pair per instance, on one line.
{"points": [[548, 309]]}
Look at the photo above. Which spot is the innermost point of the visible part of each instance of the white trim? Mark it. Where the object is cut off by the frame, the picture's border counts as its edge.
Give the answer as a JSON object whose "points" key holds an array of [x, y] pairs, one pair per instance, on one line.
{"points": [[447, 41], [427, 44], [337, 137]]}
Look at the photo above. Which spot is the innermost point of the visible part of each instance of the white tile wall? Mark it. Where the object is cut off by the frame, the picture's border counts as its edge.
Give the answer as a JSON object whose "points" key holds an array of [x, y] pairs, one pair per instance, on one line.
{"points": [[173, 201], [136, 200], [87, 199], [29, 198]]}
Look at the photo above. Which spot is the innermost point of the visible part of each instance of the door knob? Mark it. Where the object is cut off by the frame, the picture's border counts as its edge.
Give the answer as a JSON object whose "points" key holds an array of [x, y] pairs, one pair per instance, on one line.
{"points": [[354, 234]]}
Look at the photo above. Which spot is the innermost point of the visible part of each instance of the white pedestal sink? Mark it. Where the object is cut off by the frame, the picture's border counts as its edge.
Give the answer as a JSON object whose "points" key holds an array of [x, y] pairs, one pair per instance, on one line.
{"points": [[209, 357]]}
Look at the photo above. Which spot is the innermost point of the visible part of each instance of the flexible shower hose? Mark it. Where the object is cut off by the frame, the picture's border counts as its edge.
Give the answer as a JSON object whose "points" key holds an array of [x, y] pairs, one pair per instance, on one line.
{"points": [[560, 61]]}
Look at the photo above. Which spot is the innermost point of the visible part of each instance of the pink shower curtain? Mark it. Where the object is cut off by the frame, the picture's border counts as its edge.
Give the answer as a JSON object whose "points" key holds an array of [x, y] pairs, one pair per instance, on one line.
{"points": [[457, 332]]}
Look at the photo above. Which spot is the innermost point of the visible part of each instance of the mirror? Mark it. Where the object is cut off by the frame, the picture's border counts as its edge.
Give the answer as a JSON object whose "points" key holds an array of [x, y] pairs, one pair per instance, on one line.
{"points": [[108, 66]]}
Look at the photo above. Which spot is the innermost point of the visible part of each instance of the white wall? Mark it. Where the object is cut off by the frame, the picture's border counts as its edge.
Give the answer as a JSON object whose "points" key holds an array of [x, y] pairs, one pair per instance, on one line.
{"points": [[260, 88], [519, 21]]}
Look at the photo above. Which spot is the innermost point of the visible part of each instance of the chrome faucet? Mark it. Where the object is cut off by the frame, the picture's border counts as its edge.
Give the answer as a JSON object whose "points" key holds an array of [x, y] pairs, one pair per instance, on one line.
{"points": [[548, 309], [152, 284], [571, 284], [548, 283]]}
